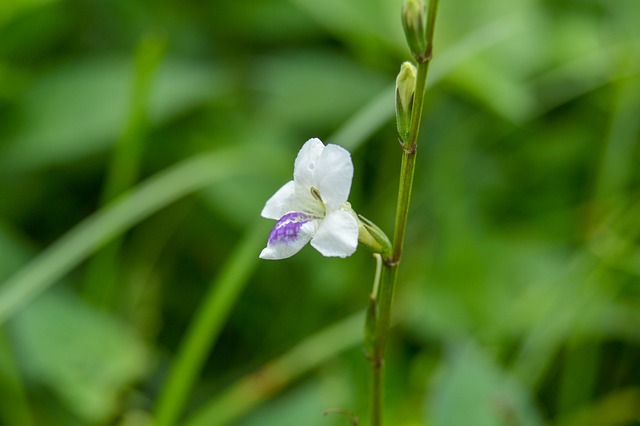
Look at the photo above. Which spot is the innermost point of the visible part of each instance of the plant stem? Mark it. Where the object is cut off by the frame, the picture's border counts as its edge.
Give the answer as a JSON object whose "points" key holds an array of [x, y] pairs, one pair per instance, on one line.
{"points": [[384, 301], [408, 165], [390, 265], [390, 269]]}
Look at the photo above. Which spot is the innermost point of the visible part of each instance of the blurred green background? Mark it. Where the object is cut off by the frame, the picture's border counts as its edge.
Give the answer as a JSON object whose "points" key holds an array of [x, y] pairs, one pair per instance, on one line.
{"points": [[140, 139]]}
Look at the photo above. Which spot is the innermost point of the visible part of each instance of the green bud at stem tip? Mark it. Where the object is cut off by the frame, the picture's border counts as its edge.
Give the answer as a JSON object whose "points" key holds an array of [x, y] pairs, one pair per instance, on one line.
{"points": [[405, 90], [414, 16], [372, 237]]}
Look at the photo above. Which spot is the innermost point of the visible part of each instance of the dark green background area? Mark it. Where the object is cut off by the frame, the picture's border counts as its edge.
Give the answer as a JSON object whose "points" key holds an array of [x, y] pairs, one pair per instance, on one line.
{"points": [[139, 141]]}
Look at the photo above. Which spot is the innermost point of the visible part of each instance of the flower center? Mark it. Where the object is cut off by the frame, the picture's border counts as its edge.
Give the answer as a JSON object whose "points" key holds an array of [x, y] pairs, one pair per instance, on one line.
{"points": [[315, 193]]}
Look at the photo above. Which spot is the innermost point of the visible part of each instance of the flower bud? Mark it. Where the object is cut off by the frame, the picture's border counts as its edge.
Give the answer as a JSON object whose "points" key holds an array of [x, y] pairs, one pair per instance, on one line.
{"points": [[405, 89], [414, 23], [372, 237]]}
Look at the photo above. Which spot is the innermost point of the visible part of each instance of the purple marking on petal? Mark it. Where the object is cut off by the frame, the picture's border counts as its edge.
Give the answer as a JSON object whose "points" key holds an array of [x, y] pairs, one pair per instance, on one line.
{"points": [[286, 229]]}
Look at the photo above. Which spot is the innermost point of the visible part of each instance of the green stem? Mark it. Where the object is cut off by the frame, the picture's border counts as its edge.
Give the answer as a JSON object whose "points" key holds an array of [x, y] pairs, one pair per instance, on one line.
{"points": [[381, 333], [390, 270], [431, 27]]}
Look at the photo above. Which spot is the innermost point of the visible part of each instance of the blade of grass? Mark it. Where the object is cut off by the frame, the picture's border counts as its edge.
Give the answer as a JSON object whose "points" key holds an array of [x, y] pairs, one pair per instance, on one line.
{"points": [[617, 163], [578, 379], [207, 324], [249, 391], [145, 199], [15, 408], [123, 170], [596, 69], [584, 283]]}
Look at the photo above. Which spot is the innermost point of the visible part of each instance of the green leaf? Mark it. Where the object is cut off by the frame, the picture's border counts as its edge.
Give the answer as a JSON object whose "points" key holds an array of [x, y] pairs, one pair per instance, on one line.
{"points": [[86, 357], [80, 109], [472, 389]]}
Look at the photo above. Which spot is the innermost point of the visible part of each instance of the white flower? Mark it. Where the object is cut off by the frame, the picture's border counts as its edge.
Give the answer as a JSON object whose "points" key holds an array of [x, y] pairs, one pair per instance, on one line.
{"points": [[313, 206]]}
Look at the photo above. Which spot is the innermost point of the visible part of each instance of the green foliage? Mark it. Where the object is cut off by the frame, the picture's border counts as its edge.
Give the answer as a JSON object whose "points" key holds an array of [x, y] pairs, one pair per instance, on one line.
{"points": [[489, 396], [84, 356], [80, 109], [517, 299]]}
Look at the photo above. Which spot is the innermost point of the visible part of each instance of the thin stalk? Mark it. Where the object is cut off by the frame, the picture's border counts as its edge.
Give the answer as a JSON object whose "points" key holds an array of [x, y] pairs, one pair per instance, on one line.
{"points": [[408, 165], [390, 269], [431, 27], [390, 265], [385, 301]]}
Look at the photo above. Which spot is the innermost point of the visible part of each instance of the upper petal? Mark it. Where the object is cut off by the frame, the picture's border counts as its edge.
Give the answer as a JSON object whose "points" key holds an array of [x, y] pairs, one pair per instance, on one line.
{"points": [[306, 162], [337, 235], [292, 232], [333, 175], [281, 202]]}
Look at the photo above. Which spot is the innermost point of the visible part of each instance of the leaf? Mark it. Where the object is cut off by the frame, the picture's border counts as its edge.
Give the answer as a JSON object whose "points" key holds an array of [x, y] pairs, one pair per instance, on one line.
{"points": [[80, 109], [86, 357], [472, 390]]}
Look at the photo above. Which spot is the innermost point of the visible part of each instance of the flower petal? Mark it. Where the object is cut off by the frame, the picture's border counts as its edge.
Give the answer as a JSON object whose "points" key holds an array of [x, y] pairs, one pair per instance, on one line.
{"points": [[280, 203], [306, 163], [292, 232], [337, 235], [333, 175]]}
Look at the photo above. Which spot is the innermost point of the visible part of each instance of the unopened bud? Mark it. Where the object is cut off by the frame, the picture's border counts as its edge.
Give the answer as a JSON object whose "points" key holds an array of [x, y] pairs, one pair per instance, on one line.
{"points": [[405, 90], [414, 16], [372, 237]]}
